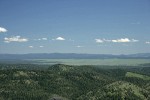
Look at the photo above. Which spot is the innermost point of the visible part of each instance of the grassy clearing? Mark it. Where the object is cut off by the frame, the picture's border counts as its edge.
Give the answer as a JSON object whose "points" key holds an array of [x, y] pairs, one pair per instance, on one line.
{"points": [[131, 74], [131, 62]]}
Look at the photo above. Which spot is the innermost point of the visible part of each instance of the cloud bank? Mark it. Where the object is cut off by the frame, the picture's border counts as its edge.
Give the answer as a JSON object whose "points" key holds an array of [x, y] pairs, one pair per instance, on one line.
{"points": [[3, 30], [121, 40], [15, 39]]}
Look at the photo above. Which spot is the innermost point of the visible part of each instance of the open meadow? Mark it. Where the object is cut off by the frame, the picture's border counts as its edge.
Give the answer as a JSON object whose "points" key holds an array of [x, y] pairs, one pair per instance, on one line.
{"points": [[131, 62]]}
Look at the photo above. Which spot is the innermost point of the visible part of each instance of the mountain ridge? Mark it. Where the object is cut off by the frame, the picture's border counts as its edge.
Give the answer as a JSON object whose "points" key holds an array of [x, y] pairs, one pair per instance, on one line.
{"points": [[73, 56]]}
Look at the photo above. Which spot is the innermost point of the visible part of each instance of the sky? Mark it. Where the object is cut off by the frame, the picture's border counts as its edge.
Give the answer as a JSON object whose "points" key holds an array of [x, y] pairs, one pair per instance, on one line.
{"points": [[75, 26]]}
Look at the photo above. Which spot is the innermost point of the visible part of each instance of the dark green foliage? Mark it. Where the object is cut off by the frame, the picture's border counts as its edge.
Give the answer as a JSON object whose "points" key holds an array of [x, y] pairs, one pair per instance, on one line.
{"points": [[64, 82]]}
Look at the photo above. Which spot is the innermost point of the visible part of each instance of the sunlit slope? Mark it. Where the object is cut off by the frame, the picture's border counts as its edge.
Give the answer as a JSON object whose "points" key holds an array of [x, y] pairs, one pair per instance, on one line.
{"points": [[135, 75]]}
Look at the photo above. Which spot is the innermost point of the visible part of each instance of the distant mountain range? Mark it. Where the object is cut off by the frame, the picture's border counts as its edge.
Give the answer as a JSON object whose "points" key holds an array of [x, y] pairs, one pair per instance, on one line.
{"points": [[72, 56]]}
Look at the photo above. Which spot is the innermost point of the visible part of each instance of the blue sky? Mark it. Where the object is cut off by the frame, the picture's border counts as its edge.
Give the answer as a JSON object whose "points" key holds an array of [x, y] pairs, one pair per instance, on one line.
{"points": [[75, 26]]}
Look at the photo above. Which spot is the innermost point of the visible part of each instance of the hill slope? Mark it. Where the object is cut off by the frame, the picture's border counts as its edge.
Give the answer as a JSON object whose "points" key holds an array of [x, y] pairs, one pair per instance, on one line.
{"points": [[64, 82]]}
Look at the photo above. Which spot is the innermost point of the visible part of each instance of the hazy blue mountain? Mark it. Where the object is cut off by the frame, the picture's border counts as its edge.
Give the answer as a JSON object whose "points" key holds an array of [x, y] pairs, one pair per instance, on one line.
{"points": [[71, 56]]}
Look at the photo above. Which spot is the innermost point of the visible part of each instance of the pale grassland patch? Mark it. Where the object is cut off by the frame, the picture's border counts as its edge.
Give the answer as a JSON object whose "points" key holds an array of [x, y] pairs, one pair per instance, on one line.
{"points": [[131, 74]]}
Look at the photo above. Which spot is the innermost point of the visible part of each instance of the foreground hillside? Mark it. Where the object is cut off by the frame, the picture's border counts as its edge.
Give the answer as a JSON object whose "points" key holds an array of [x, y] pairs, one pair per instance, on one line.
{"points": [[64, 82]]}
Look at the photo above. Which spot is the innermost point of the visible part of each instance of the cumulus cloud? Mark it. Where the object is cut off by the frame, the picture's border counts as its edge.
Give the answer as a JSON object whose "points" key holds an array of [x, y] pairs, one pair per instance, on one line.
{"points": [[44, 38], [125, 40], [99, 41], [147, 42], [107, 40], [59, 39], [15, 39], [122, 40], [2, 30]]}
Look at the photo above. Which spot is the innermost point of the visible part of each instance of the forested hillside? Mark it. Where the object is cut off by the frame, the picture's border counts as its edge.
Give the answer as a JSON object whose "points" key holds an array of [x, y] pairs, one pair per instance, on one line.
{"points": [[64, 82]]}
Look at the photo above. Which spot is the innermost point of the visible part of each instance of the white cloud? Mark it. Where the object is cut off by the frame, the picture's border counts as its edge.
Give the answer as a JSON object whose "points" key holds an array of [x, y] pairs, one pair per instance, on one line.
{"points": [[59, 39], [41, 46], [30, 46], [147, 42], [3, 30], [125, 40], [44, 38], [99, 41], [107, 40], [15, 39], [122, 40]]}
